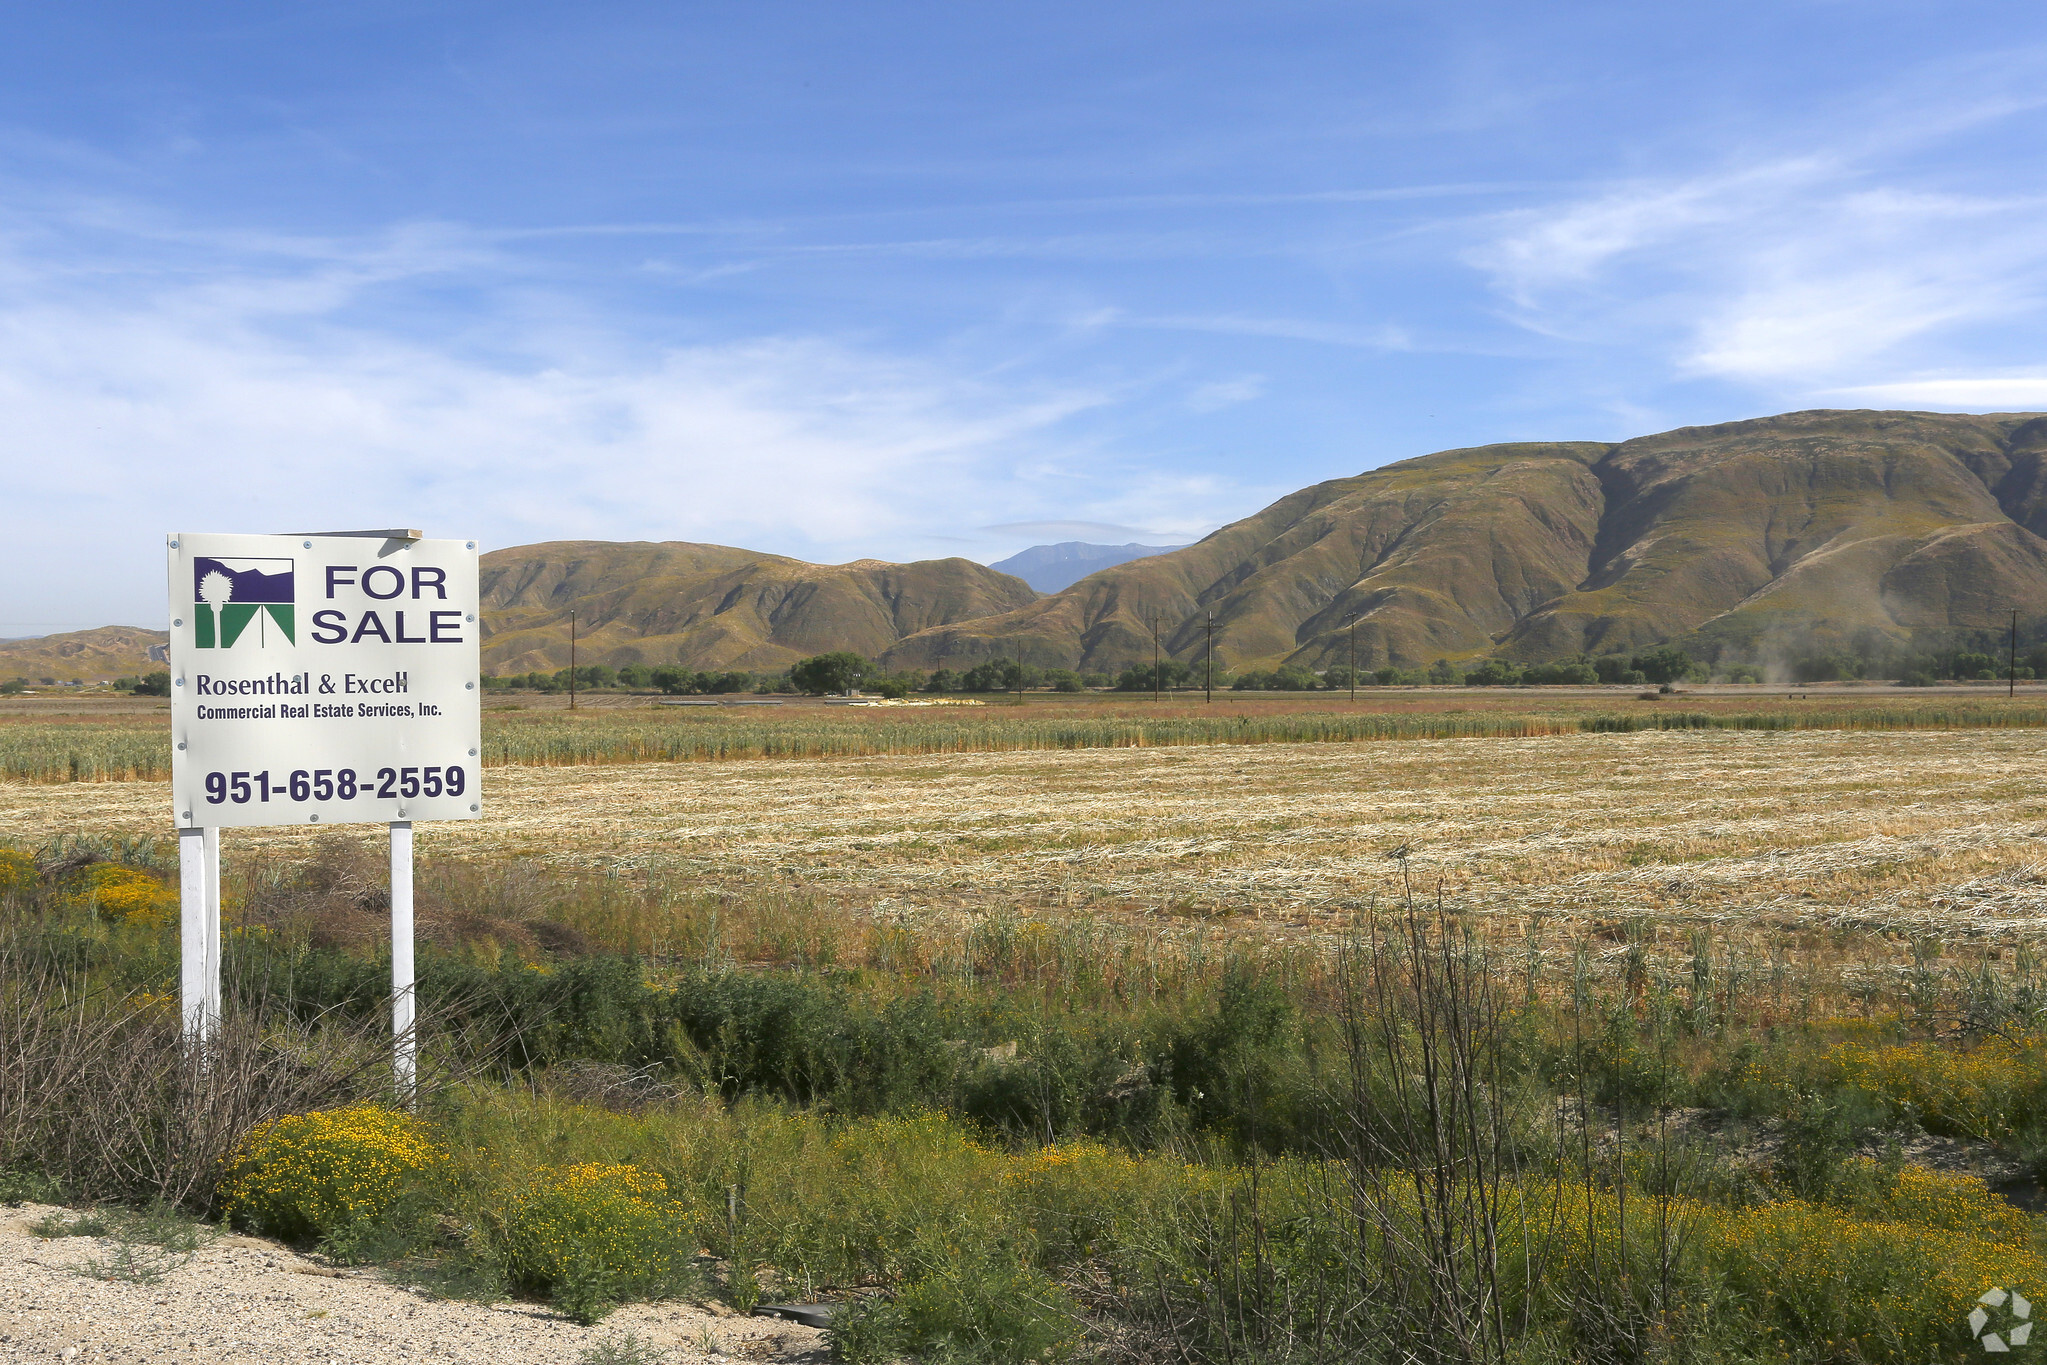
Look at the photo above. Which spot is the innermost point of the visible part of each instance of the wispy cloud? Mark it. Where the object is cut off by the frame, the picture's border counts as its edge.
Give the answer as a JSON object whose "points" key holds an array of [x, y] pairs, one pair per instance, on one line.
{"points": [[2019, 393], [1226, 393], [1794, 270], [1541, 252], [1368, 337], [256, 392]]}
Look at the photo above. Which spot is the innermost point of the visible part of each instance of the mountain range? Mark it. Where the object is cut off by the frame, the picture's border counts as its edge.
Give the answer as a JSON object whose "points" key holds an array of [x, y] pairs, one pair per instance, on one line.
{"points": [[1051, 568], [714, 607], [105, 652], [1747, 540]]}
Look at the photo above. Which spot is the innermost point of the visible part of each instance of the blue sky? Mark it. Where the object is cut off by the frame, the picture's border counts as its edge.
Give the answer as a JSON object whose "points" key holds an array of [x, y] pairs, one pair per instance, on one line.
{"points": [[908, 280]]}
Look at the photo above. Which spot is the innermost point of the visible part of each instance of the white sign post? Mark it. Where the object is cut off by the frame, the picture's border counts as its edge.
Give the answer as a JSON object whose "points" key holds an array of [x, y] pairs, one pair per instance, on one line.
{"points": [[320, 679]]}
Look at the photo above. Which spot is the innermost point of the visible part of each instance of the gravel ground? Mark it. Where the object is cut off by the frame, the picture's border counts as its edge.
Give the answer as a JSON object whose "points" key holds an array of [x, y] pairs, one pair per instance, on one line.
{"points": [[244, 1300]]}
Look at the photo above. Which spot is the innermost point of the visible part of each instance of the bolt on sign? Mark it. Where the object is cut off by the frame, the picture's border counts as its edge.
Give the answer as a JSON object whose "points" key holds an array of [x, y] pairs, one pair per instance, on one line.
{"points": [[324, 679]]}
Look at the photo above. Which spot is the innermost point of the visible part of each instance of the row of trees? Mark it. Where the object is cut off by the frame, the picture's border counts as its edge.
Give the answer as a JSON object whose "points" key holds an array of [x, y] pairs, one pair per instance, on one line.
{"points": [[844, 671], [1919, 670], [679, 682], [156, 684]]}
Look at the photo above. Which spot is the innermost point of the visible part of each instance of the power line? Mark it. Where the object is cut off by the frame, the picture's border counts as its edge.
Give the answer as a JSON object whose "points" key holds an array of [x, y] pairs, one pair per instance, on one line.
{"points": [[1353, 660], [1208, 666], [1157, 683]]}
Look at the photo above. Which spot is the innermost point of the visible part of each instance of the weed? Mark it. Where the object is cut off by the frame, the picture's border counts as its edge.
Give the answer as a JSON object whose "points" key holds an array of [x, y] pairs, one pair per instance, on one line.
{"points": [[592, 1235], [586, 1286], [134, 1264], [626, 1350], [27, 1186], [457, 1273], [742, 1287], [51, 1226], [401, 1229], [1815, 1136], [868, 1331], [162, 1226], [977, 1306]]}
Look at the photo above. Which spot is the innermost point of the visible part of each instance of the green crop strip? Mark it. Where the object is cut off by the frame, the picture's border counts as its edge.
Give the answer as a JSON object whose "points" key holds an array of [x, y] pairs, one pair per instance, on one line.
{"points": [[78, 753]]}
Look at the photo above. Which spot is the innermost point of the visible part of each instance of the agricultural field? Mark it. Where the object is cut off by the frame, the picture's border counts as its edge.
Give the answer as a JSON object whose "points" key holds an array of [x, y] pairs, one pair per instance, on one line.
{"points": [[1729, 1039], [1750, 832], [97, 739]]}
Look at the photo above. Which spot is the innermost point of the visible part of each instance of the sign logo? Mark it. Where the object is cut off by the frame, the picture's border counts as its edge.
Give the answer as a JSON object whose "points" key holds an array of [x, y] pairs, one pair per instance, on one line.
{"points": [[228, 595], [2015, 1319]]}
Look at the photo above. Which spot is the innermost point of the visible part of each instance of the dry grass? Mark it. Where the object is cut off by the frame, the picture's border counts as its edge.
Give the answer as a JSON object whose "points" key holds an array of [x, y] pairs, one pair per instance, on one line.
{"points": [[1916, 833]]}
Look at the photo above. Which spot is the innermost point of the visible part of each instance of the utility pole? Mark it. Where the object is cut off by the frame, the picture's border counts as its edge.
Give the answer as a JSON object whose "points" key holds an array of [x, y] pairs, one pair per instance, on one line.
{"points": [[2011, 675], [1208, 666], [1353, 660], [572, 661], [1158, 684]]}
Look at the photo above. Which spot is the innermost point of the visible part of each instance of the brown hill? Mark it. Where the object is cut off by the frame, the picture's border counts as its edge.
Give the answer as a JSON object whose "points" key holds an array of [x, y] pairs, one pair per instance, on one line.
{"points": [[99, 655], [1750, 537], [714, 607]]}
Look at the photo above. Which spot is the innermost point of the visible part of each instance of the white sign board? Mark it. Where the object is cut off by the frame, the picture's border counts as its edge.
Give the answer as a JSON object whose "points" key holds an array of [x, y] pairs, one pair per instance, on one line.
{"points": [[323, 679]]}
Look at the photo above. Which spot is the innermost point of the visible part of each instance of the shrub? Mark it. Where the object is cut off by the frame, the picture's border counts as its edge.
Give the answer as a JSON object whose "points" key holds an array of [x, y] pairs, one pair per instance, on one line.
{"points": [[1850, 1288], [976, 1305], [309, 1176], [590, 1236], [131, 894], [17, 870], [1816, 1136], [1961, 1204], [1987, 1092], [19, 1186]]}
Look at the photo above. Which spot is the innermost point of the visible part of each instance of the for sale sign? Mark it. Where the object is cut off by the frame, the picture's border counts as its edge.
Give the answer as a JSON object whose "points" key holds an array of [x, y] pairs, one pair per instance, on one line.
{"points": [[323, 679]]}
